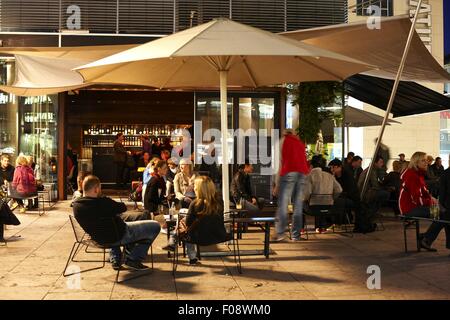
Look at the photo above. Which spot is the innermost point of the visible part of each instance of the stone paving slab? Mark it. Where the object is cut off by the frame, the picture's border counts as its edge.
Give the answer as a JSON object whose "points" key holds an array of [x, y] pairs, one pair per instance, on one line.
{"points": [[327, 266]]}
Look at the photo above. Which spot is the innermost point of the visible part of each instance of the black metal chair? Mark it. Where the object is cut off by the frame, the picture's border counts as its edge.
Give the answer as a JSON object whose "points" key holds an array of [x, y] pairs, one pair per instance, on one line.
{"points": [[83, 239], [232, 236], [321, 212], [13, 194]]}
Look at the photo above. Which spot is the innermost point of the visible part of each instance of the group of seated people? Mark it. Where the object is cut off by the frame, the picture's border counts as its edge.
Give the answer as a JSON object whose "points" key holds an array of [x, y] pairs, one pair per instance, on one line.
{"points": [[20, 182], [338, 187], [204, 222]]}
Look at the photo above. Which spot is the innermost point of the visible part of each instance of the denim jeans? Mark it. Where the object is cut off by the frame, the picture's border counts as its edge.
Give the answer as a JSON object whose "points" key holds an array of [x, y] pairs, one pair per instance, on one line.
{"points": [[291, 187], [191, 248], [435, 227], [138, 237]]}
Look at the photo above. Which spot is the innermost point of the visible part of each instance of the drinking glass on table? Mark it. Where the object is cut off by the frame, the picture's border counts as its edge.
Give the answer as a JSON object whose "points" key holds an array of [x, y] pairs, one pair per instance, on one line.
{"points": [[239, 204]]}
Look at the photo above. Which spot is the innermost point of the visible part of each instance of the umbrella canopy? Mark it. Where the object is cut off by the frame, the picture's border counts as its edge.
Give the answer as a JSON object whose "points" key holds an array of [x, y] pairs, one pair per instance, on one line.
{"points": [[226, 53], [382, 47], [192, 58], [48, 70], [360, 118]]}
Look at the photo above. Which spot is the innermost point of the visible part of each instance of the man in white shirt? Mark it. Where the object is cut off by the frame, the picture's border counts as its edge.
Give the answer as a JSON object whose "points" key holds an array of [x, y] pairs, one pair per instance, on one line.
{"points": [[321, 189]]}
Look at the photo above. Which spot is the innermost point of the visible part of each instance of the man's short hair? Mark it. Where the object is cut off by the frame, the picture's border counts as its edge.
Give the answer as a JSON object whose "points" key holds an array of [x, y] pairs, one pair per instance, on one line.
{"points": [[317, 161], [335, 163], [356, 158], [350, 154], [437, 158], [90, 182], [4, 156]]}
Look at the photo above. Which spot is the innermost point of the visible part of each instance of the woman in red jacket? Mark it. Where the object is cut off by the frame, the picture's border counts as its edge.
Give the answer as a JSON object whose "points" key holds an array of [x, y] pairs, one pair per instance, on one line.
{"points": [[23, 184], [415, 199]]}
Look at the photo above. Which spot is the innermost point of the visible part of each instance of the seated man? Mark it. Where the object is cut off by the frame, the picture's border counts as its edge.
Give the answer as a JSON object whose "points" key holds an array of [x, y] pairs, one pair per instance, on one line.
{"points": [[375, 195], [6, 170], [321, 189], [392, 183], [349, 198], [241, 188], [356, 168], [92, 208]]}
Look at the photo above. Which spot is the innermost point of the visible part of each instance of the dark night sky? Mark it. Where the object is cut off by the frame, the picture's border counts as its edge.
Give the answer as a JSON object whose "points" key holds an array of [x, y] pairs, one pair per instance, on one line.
{"points": [[447, 26]]}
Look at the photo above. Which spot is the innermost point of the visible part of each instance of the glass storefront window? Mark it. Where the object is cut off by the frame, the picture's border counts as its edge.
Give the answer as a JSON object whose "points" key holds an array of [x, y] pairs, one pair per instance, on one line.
{"points": [[8, 125], [208, 113], [38, 133], [257, 114]]}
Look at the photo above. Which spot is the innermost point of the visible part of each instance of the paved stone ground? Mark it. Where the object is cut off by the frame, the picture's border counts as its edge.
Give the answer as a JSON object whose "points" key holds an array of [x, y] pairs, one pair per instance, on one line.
{"points": [[328, 266]]}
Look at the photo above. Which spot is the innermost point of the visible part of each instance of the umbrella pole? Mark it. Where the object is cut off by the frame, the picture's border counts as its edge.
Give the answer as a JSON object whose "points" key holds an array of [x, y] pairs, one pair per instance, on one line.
{"points": [[391, 100], [343, 124], [224, 130], [348, 138]]}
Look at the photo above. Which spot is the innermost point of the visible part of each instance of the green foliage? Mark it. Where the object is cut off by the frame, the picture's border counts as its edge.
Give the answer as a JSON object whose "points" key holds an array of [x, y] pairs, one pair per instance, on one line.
{"points": [[313, 98]]}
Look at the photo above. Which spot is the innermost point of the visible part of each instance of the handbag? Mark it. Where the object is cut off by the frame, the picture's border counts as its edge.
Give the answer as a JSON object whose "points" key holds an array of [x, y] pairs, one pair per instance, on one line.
{"points": [[7, 217]]}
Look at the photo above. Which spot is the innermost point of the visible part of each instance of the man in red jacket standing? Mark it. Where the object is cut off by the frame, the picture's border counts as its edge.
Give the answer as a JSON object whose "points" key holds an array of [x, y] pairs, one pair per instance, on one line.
{"points": [[290, 183]]}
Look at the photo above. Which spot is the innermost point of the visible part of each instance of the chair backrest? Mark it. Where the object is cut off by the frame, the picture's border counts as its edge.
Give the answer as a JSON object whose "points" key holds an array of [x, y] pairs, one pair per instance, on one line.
{"points": [[104, 226], [77, 229], [319, 198]]}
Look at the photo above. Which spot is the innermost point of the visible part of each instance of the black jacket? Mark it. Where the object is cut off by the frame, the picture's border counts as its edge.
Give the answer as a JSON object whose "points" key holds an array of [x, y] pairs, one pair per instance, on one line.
{"points": [[6, 174], [241, 186], [444, 191], [348, 184], [91, 213], [437, 171], [120, 153], [205, 229], [152, 198]]}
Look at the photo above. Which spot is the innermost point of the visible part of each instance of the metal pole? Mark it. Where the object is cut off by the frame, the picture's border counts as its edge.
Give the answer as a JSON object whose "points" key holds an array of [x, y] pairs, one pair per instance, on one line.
{"points": [[60, 25], [343, 123], [224, 129], [117, 16], [391, 100]]}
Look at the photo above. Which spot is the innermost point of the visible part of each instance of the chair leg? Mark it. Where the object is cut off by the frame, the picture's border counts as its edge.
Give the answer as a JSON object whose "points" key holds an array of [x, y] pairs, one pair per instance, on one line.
{"points": [[175, 260], [418, 236], [69, 259], [199, 255], [239, 266], [122, 260], [151, 254]]}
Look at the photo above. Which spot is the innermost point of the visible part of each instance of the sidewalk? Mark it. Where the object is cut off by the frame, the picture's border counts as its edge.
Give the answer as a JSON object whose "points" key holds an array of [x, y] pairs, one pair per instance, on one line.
{"points": [[328, 266]]}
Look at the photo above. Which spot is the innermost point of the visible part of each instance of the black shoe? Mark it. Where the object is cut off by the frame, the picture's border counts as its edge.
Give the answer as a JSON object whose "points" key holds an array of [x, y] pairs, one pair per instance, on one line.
{"points": [[116, 265], [193, 261], [135, 265], [425, 245]]}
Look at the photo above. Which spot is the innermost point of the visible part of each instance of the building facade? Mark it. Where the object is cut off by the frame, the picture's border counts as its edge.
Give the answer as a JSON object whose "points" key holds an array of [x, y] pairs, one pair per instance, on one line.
{"points": [[43, 126], [427, 132]]}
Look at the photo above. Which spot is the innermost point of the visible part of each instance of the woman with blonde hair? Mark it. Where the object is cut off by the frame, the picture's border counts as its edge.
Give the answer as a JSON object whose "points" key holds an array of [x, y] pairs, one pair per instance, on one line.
{"points": [[24, 183], [183, 183], [204, 222], [415, 200]]}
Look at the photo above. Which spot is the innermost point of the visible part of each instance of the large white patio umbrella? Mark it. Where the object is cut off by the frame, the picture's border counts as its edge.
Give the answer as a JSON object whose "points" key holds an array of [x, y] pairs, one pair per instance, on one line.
{"points": [[221, 53]]}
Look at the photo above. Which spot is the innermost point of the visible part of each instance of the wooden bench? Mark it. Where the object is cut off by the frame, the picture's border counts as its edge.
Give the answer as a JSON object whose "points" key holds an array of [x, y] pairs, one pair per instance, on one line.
{"points": [[409, 222]]}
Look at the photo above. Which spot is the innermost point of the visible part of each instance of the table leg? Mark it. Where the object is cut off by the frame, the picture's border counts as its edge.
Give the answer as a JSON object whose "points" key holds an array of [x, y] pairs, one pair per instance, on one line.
{"points": [[266, 240], [168, 238]]}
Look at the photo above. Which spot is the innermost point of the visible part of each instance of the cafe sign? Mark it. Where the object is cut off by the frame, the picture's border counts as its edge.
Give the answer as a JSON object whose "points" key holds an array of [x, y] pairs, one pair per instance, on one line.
{"points": [[423, 26]]}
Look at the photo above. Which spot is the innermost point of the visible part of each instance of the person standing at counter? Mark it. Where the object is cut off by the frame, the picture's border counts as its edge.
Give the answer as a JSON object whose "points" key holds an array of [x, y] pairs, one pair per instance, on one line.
{"points": [[120, 159], [146, 145]]}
